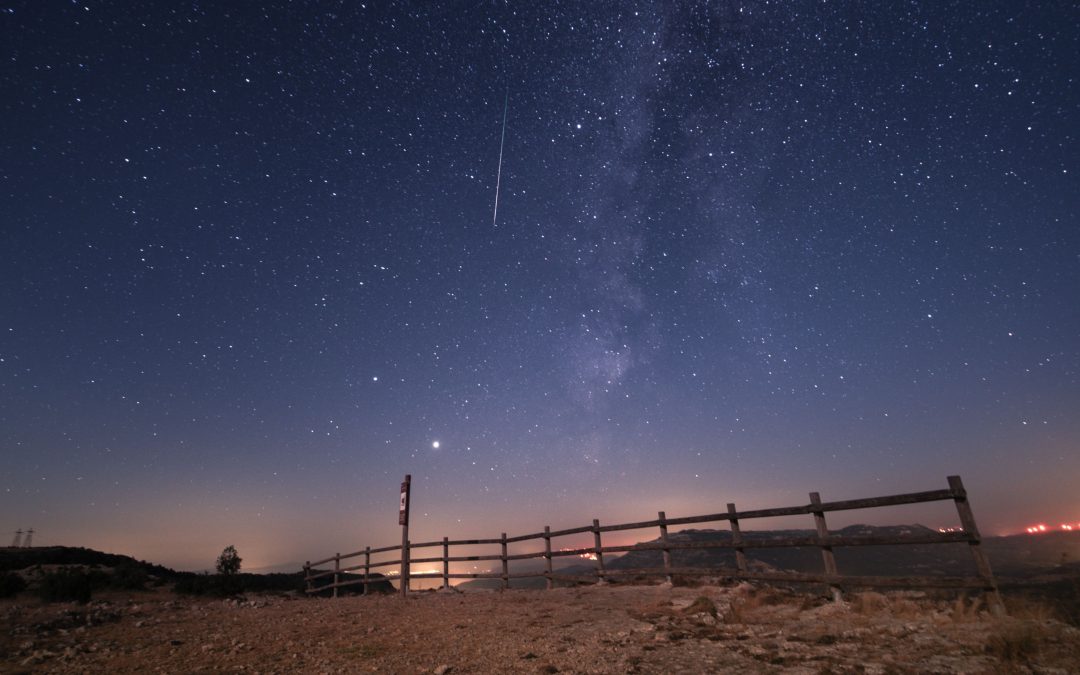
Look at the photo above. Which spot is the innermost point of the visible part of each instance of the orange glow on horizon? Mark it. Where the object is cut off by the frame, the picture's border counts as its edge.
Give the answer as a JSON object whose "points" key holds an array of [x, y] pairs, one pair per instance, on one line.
{"points": [[1042, 528]]}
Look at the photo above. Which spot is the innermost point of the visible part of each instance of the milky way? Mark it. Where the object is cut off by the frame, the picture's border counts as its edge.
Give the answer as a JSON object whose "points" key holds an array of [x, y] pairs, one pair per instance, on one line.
{"points": [[743, 251]]}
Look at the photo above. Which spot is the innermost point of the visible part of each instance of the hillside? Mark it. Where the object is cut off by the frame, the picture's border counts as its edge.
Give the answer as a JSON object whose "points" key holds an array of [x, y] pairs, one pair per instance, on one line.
{"points": [[1017, 555], [13, 559], [112, 570]]}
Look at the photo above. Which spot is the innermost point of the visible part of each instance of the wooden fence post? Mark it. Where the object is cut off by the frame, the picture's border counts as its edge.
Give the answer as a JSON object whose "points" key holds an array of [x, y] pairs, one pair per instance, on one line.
{"points": [[667, 551], [337, 570], [600, 580], [446, 563], [307, 575], [982, 563], [736, 539], [547, 556], [367, 567], [823, 542], [505, 565], [406, 568]]}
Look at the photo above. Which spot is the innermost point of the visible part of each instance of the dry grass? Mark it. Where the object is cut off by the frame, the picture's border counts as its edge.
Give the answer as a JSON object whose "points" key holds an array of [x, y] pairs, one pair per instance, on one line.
{"points": [[1032, 609], [701, 605], [966, 610], [1014, 642]]}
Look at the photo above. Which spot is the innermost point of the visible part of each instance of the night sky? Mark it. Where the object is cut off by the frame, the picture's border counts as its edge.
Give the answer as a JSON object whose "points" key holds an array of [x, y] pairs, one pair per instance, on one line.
{"points": [[252, 273]]}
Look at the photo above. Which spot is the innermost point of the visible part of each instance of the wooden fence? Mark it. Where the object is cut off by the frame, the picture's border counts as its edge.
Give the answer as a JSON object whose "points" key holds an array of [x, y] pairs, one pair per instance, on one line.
{"points": [[825, 542]]}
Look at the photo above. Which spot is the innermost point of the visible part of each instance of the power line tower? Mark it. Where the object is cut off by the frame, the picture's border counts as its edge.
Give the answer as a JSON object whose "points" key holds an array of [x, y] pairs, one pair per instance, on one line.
{"points": [[17, 541], [29, 538]]}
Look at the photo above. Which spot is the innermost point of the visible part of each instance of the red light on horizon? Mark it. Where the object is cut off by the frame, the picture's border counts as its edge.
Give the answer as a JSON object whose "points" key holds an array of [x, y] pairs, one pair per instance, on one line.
{"points": [[1042, 528]]}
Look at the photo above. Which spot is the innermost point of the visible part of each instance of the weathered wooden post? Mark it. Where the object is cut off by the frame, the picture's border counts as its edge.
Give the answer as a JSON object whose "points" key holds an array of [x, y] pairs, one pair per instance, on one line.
{"points": [[982, 563], [736, 539], [446, 563], [505, 565], [337, 571], [667, 551], [307, 575], [367, 567], [547, 556], [598, 552], [403, 520], [823, 543]]}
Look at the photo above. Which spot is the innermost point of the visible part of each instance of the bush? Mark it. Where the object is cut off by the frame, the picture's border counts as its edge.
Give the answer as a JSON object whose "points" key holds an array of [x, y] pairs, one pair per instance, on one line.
{"points": [[228, 563], [129, 578], [11, 584], [66, 585], [216, 585]]}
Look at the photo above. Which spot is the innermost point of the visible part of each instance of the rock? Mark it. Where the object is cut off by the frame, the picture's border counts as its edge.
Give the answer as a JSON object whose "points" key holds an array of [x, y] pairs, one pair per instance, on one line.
{"points": [[442, 670]]}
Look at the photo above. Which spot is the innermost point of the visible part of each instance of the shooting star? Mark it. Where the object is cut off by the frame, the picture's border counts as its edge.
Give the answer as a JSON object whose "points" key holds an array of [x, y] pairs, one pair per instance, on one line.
{"points": [[498, 176]]}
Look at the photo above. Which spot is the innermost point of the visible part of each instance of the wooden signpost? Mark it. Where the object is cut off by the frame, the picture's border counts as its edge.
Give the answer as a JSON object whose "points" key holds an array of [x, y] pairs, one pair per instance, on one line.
{"points": [[403, 520]]}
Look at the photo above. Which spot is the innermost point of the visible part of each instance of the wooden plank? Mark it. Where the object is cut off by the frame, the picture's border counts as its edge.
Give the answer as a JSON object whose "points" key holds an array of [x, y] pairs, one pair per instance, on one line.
{"points": [[425, 544], [547, 556], [505, 565], [525, 537], [826, 550], [891, 500], [736, 538], [572, 530], [337, 572], [967, 521], [469, 558], [904, 539], [475, 575], [630, 526], [598, 551], [384, 549], [475, 542], [662, 520], [446, 562]]}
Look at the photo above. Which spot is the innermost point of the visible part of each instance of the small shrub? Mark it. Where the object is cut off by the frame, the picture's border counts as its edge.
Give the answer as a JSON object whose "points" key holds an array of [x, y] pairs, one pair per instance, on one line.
{"points": [[11, 584], [701, 605], [66, 585], [129, 577]]}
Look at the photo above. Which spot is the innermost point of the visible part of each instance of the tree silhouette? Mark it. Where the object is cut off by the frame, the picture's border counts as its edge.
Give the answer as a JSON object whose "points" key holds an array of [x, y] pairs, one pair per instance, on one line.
{"points": [[228, 563]]}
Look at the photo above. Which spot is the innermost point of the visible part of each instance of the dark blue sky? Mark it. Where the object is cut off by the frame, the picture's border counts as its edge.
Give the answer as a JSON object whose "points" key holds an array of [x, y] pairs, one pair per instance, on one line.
{"points": [[743, 251]]}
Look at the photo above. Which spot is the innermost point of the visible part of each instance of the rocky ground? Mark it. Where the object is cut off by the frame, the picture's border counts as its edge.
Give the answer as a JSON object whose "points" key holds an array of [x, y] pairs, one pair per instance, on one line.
{"points": [[614, 629]]}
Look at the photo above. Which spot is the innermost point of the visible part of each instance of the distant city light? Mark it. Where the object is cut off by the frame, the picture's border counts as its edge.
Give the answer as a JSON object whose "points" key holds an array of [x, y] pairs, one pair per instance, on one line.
{"points": [[1042, 528]]}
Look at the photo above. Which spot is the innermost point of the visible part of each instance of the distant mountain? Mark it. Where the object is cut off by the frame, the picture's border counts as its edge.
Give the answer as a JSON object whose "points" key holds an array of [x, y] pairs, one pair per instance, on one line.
{"points": [[1017, 555]]}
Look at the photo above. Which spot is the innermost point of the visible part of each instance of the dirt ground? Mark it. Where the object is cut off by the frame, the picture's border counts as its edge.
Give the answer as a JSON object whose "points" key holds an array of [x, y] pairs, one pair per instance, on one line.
{"points": [[614, 629]]}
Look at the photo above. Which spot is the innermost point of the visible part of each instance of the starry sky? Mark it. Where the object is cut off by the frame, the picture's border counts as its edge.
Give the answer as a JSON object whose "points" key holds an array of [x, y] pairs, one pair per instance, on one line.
{"points": [[252, 273]]}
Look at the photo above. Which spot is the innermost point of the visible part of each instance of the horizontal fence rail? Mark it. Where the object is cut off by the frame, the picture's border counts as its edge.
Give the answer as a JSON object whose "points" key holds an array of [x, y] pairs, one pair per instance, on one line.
{"points": [[821, 539]]}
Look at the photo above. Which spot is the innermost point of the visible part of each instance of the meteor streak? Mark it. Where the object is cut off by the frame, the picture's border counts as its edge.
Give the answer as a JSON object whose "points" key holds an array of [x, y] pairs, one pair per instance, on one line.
{"points": [[498, 176]]}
